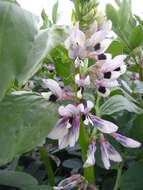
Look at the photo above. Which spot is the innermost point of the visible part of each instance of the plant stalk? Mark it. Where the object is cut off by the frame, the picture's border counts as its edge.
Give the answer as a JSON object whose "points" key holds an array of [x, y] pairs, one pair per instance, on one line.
{"points": [[119, 172], [47, 163], [84, 141]]}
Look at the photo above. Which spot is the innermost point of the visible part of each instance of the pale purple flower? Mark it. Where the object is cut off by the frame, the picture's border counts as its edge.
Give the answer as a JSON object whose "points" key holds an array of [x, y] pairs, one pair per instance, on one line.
{"points": [[125, 141], [67, 128], [108, 153], [97, 45], [90, 153], [75, 44], [104, 87], [101, 124], [56, 91], [106, 72], [113, 68]]}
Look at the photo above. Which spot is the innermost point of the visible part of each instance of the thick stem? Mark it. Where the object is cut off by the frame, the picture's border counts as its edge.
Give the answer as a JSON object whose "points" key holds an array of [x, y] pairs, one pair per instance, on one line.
{"points": [[84, 141], [47, 163], [119, 172]]}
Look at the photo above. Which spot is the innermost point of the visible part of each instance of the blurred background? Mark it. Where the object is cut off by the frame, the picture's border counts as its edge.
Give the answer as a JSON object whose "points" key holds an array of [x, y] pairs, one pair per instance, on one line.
{"points": [[65, 8]]}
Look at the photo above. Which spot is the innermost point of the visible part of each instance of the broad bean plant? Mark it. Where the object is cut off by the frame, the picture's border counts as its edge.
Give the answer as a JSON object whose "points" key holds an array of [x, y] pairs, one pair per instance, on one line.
{"points": [[71, 98]]}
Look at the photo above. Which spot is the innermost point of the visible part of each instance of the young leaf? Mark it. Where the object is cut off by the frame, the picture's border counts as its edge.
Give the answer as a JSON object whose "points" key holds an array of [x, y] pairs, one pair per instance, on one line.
{"points": [[55, 12], [61, 61], [136, 37], [116, 48], [25, 121], [124, 13], [112, 14]]}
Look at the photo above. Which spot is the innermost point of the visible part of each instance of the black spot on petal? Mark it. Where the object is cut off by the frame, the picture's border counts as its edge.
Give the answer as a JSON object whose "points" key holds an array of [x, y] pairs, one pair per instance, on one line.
{"points": [[117, 69], [107, 75], [53, 98], [97, 47], [102, 89], [83, 117], [71, 120], [102, 57]]}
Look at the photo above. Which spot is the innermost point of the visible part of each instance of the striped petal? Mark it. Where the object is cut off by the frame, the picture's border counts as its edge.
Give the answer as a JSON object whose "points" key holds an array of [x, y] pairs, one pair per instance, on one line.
{"points": [[103, 125], [59, 130], [113, 154], [125, 141], [104, 153]]}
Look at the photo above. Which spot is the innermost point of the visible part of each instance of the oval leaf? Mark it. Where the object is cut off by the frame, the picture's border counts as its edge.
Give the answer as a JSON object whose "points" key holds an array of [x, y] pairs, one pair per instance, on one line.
{"points": [[25, 121]]}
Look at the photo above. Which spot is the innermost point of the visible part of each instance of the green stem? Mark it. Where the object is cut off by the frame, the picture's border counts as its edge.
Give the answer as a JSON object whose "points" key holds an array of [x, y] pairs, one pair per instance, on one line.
{"points": [[47, 163], [84, 141], [97, 106], [119, 172]]}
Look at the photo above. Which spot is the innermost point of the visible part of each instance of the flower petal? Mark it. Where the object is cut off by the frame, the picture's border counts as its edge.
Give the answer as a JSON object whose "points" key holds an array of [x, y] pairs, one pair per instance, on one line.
{"points": [[90, 105], [53, 86], [110, 84], [103, 125], [59, 130], [125, 141], [107, 25], [64, 142], [90, 159], [104, 153], [113, 154], [96, 38]]}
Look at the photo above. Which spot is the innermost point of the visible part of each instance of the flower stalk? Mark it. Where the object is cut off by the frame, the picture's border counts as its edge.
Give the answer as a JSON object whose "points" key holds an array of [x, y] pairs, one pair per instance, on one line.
{"points": [[119, 172], [47, 163], [84, 142]]}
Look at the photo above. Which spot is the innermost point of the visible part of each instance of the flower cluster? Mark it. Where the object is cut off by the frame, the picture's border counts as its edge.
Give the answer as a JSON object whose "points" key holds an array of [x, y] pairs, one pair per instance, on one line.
{"points": [[104, 74]]}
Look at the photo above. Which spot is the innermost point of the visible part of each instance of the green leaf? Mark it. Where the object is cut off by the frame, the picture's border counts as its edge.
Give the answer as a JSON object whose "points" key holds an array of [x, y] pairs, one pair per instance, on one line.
{"points": [[62, 62], [22, 46], [25, 121], [136, 38], [55, 12], [132, 178], [57, 35], [136, 132], [46, 22], [112, 14], [116, 48], [124, 13], [16, 179], [119, 103]]}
